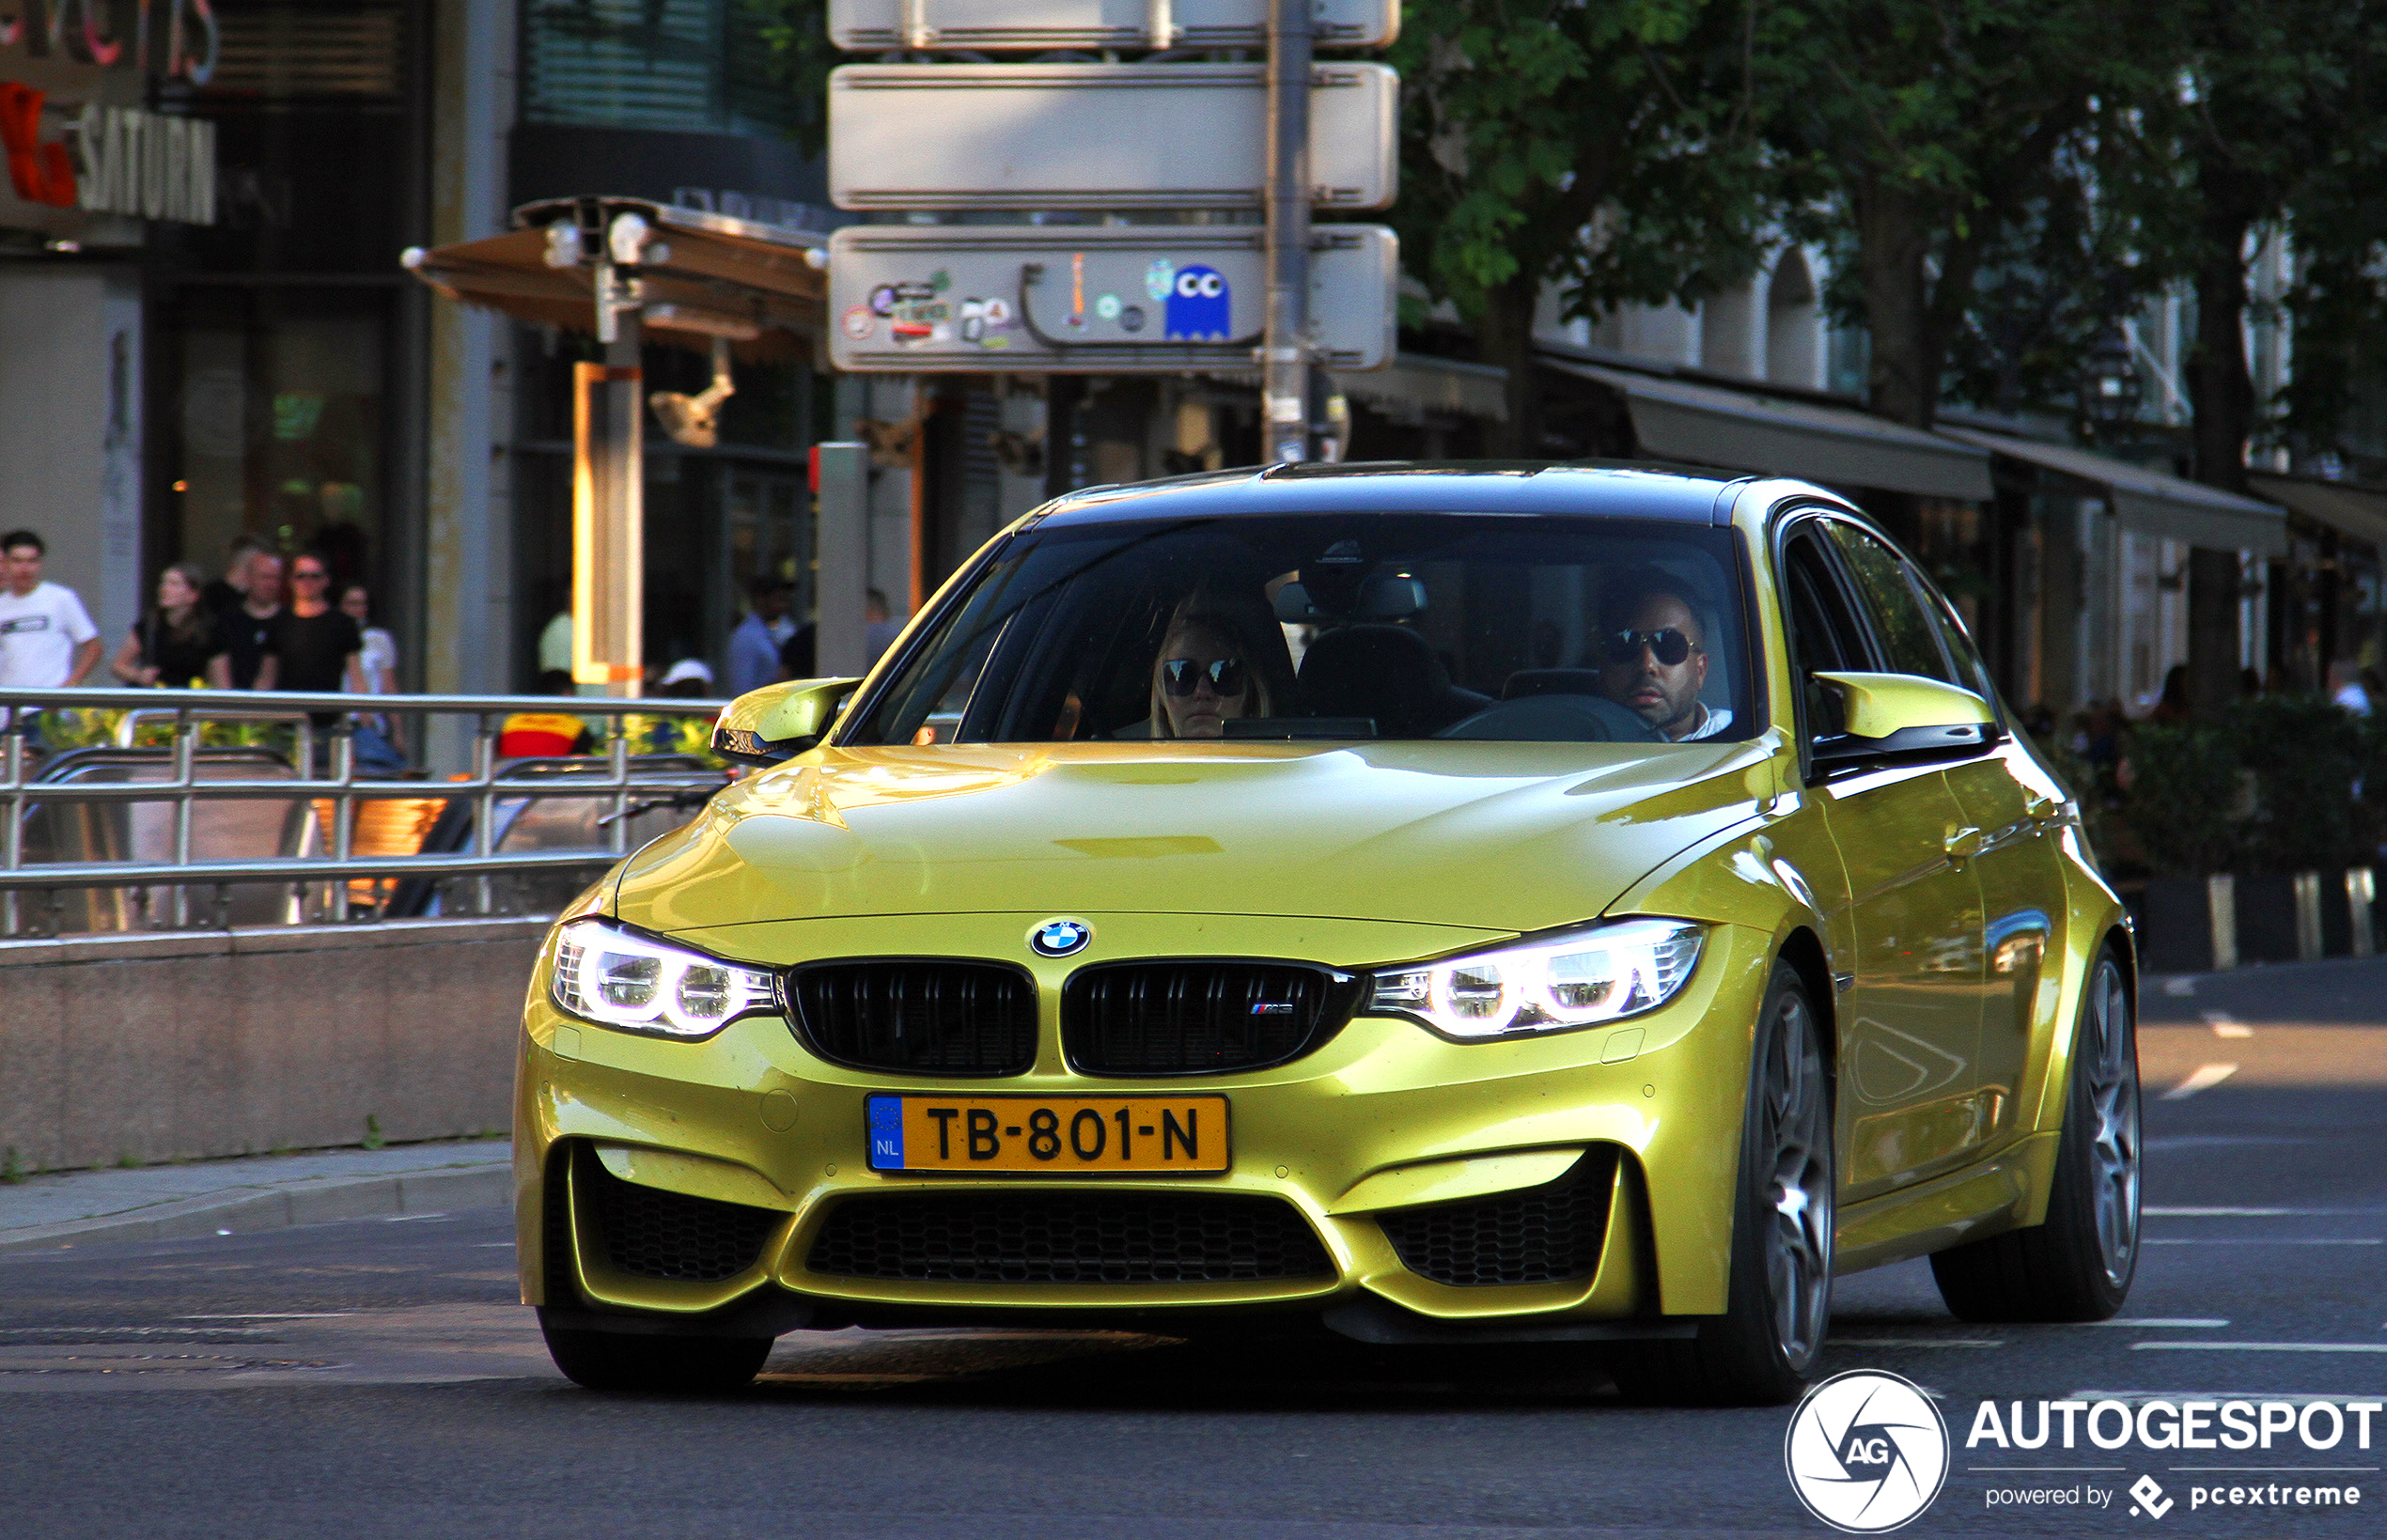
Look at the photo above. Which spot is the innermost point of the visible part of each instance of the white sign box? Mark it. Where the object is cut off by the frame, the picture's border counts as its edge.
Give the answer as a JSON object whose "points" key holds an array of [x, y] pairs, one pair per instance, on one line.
{"points": [[1094, 299], [870, 26], [1097, 137]]}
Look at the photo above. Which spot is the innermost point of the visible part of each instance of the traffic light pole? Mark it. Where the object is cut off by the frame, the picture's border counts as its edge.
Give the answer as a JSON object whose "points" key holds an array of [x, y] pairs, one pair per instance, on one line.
{"points": [[1285, 352]]}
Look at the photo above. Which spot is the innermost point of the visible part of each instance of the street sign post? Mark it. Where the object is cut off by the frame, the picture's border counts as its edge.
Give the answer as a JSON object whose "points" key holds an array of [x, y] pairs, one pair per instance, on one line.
{"points": [[1107, 137], [1095, 299], [996, 26]]}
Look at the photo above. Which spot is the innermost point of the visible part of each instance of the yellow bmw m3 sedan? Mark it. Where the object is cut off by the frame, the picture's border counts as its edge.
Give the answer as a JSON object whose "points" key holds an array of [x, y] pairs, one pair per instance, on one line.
{"points": [[1477, 903]]}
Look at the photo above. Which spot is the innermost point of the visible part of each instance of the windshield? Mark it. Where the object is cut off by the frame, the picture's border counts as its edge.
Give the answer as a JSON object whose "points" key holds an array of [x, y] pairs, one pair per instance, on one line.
{"points": [[1315, 625]]}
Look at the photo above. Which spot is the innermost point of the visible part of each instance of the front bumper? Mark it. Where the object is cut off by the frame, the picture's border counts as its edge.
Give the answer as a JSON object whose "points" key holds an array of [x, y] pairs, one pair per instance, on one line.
{"points": [[1387, 1119]]}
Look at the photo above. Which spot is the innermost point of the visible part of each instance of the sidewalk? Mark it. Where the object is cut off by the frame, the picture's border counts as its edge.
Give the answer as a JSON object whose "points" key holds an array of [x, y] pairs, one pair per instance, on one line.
{"points": [[255, 1192]]}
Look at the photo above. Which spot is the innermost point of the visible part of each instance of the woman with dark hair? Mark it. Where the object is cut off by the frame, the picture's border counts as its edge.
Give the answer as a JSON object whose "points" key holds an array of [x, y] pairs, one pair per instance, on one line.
{"points": [[167, 647]]}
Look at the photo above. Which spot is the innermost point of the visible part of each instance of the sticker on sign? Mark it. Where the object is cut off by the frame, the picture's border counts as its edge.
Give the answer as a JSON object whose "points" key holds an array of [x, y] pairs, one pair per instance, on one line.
{"points": [[1095, 299]]}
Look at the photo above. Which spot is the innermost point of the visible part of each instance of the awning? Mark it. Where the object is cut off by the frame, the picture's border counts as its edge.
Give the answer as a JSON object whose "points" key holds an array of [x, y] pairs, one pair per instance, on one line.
{"points": [[2358, 511], [2153, 502], [1770, 435], [703, 274], [1417, 384]]}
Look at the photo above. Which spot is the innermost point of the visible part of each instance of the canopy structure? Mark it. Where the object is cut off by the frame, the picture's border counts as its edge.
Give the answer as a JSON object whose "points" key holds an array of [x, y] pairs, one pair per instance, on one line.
{"points": [[2358, 511], [1772, 435], [2152, 502], [686, 271]]}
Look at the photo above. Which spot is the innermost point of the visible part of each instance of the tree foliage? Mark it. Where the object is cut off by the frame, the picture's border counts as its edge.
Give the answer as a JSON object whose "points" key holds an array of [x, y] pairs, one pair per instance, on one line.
{"points": [[1607, 148]]}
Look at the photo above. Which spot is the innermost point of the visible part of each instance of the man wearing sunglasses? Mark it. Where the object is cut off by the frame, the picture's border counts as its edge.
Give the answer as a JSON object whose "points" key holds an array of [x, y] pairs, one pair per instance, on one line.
{"points": [[1652, 655]]}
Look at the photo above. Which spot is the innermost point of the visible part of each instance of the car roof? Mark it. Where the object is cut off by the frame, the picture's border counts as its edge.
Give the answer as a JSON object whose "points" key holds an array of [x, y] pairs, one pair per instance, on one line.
{"points": [[1612, 489]]}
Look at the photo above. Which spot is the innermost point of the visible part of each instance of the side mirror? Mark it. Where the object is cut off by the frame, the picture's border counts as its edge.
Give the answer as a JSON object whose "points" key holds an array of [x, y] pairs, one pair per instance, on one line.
{"points": [[1893, 718], [779, 721]]}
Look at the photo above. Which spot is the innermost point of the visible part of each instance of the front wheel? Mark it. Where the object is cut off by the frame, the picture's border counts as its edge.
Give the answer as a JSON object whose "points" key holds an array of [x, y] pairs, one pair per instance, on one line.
{"points": [[1760, 1351], [617, 1360], [2078, 1266]]}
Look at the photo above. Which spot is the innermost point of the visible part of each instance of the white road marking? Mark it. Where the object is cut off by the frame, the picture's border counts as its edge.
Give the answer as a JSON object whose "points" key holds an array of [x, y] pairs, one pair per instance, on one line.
{"points": [[2260, 1240], [2169, 1323], [1915, 1341], [402, 1218], [2263, 1347], [272, 1316], [2153, 1212], [2203, 1079], [2226, 1025], [2180, 988]]}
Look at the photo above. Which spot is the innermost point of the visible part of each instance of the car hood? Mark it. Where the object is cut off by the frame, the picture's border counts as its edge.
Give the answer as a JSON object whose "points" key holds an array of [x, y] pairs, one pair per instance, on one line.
{"points": [[1509, 836]]}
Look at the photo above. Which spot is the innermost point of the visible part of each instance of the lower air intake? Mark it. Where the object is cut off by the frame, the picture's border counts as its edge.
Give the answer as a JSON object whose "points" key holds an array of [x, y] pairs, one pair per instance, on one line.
{"points": [[1068, 1237], [649, 1233], [1538, 1236]]}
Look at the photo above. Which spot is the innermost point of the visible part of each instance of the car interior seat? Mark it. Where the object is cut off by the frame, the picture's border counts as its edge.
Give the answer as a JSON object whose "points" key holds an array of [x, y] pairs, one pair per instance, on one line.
{"points": [[1385, 672]]}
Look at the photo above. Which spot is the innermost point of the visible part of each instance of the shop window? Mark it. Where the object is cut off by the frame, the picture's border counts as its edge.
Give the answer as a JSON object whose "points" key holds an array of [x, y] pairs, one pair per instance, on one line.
{"points": [[685, 66]]}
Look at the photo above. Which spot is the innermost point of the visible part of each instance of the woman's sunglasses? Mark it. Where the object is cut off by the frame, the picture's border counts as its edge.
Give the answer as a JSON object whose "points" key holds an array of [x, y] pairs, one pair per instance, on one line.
{"points": [[1181, 674], [1669, 646]]}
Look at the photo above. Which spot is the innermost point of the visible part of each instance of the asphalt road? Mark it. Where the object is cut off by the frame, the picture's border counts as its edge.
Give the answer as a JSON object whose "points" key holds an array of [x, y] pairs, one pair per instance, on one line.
{"points": [[374, 1378]]}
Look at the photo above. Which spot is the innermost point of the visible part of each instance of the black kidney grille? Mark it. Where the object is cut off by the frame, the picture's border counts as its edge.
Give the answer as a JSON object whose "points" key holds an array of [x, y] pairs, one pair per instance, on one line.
{"points": [[1068, 1237], [923, 1016], [650, 1233], [1200, 1017], [1538, 1236]]}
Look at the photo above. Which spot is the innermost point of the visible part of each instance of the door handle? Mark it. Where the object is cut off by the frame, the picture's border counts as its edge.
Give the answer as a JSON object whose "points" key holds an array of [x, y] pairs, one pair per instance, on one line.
{"points": [[1962, 844]]}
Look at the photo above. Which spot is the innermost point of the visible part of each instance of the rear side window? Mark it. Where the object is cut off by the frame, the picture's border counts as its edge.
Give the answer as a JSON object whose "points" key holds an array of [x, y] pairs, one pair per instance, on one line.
{"points": [[1909, 640]]}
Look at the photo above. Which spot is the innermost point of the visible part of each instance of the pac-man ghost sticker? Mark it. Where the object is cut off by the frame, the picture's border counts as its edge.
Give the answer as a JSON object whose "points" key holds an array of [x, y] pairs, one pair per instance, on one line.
{"points": [[1198, 304]]}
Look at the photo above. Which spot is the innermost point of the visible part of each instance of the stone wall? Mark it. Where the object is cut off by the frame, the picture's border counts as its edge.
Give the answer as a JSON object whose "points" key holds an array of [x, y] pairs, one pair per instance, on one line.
{"points": [[159, 1047]]}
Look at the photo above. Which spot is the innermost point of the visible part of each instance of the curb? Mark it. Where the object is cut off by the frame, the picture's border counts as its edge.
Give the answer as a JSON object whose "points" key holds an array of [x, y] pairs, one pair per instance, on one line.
{"points": [[277, 1209]]}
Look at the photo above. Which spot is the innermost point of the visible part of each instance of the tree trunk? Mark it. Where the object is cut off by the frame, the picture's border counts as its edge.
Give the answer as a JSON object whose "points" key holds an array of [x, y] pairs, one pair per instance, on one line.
{"points": [[1893, 239], [1504, 341], [2222, 390]]}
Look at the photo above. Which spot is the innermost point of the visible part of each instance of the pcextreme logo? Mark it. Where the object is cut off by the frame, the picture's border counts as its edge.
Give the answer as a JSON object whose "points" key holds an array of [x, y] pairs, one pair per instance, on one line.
{"points": [[1866, 1451]]}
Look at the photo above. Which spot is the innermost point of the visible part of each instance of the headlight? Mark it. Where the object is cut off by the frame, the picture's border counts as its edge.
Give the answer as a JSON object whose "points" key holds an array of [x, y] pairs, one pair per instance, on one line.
{"points": [[616, 979], [1595, 975]]}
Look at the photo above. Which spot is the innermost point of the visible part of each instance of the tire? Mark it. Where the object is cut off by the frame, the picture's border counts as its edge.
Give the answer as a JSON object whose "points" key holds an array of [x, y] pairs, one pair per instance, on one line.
{"points": [[2078, 1266], [1761, 1351], [615, 1361]]}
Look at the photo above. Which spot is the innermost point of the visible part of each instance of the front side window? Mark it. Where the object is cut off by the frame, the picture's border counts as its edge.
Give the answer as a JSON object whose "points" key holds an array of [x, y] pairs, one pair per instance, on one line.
{"points": [[1908, 640], [1334, 626]]}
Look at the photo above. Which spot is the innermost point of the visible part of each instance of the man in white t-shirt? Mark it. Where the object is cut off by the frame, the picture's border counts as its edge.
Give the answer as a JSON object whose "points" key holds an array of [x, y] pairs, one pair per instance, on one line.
{"points": [[46, 638]]}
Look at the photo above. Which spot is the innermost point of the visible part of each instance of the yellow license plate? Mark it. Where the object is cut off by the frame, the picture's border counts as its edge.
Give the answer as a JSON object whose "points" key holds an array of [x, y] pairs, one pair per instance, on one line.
{"points": [[1077, 1136]]}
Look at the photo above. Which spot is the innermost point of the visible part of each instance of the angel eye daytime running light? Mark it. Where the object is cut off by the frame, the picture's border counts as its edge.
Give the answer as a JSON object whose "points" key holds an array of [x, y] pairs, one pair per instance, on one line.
{"points": [[1601, 975], [616, 979]]}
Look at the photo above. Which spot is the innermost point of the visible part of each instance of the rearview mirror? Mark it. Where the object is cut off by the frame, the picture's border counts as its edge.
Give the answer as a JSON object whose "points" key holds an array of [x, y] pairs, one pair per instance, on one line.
{"points": [[779, 721], [1885, 718]]}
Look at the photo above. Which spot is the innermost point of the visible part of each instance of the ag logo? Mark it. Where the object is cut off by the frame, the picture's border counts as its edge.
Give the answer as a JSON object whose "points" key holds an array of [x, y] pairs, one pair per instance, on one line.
{"points": [[1866, 1451], [1060, 937]]}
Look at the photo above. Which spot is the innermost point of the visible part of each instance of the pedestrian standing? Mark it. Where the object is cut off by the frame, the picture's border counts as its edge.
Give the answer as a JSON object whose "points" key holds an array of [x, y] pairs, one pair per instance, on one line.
{"points": [[378, 748], [225, 593], [244, 633], [754, 647], [168, 646], [46, 636], [316, 648]]}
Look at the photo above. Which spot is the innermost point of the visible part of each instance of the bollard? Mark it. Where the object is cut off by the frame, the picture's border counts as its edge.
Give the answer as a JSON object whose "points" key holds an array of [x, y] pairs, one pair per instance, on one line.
{"points": [[2307, 916], [2221, 903], [2362, 890]]}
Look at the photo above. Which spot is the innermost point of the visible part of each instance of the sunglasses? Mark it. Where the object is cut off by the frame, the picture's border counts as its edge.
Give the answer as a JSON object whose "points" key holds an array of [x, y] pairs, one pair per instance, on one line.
{"points": [[1669, 646], [1180, 674]]}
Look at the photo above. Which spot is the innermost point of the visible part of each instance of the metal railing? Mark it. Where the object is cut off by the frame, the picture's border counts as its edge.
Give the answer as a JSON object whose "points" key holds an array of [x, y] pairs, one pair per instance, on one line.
{"points": [[187, 712]]}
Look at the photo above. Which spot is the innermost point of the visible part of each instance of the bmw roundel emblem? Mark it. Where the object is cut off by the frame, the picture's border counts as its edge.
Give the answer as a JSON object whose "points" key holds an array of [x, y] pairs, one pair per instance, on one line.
{"points": [[1060, 937]]}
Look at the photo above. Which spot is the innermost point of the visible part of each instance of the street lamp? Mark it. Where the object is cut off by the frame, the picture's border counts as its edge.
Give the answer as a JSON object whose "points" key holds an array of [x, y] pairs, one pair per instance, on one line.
{"points": [[2110, 386]]}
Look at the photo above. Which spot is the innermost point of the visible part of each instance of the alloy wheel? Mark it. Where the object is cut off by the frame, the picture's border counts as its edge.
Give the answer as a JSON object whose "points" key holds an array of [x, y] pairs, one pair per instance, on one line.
{"points": [[1798, 1196], [2113, 1112]]}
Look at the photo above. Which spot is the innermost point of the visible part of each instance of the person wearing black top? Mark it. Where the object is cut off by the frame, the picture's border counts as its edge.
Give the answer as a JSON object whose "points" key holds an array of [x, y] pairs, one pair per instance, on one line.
{"points": [[168, 646], [225, 594], [243, 641], [316, 647]]}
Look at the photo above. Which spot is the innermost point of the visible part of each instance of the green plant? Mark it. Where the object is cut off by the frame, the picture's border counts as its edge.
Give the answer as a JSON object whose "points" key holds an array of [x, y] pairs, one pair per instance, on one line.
{"points": [[2305, 756], [2182, 799], [373, 1139], [127, 1161], [12, 1169]]}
